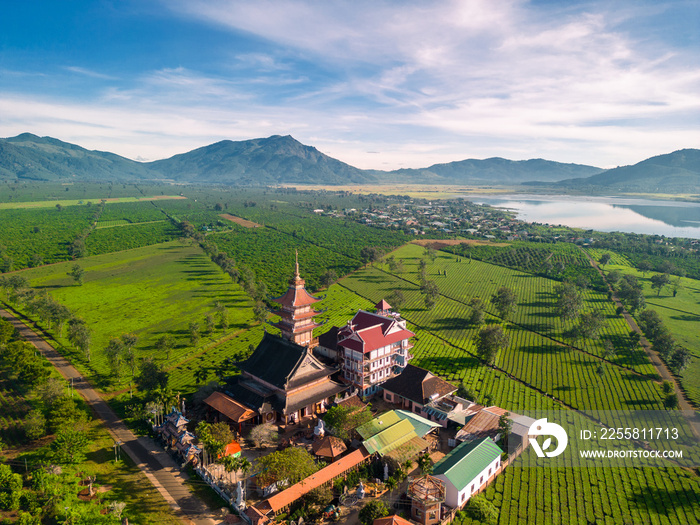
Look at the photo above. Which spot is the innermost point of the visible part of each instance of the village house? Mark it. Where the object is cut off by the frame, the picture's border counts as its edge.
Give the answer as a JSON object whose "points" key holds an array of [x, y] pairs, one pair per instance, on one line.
{"points": [[467, 469], [424, 393], [373, 347]]}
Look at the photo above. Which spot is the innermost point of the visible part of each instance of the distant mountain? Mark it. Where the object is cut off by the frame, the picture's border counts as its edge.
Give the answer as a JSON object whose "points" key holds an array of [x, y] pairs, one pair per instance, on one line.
{"points": [[495, 170], [677, 172], [284, 160], [273, 160], [27, 156]]}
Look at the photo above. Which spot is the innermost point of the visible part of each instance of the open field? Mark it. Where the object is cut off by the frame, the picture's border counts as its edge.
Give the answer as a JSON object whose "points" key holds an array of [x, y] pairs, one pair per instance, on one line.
{"points": [[424, 191], [239, 221], [147, 291], [80, 202]]}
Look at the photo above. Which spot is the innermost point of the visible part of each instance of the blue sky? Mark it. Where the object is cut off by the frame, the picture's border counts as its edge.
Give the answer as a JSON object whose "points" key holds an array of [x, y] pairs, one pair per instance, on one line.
{"points": [[377, 84]]}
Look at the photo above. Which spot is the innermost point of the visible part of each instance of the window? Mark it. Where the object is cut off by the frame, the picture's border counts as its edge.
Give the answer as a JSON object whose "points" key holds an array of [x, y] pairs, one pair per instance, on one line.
{"points": [[489, 472], [481, 480], [472, 490]]}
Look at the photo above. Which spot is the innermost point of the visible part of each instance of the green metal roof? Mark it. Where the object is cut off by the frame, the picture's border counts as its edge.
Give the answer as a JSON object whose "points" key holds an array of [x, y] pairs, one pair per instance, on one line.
{"points": [[390, 438], [378, 424], [466, 461], [421, 425]]}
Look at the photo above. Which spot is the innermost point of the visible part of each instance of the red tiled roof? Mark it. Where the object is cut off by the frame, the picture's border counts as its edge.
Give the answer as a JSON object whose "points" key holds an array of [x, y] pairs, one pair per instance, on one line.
{"points": [[232, 449], [382, 305], [229, 407], [296, 297], [374, 337], [482, 424], [329, 447], [391, 520], [285, 498]]}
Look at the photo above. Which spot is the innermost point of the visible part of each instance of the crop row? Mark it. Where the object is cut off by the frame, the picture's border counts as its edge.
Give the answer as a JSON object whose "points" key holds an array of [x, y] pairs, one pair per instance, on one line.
{"points": [[531, 358], [108, 240], [270, 255]]}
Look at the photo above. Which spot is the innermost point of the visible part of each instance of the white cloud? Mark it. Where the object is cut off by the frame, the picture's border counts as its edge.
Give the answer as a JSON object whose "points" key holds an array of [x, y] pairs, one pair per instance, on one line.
{"points": [[419, 82]]}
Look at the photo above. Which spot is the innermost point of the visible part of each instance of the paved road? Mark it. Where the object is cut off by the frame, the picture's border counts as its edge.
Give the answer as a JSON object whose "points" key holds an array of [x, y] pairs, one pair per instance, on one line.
{"points": [[156, 464]]}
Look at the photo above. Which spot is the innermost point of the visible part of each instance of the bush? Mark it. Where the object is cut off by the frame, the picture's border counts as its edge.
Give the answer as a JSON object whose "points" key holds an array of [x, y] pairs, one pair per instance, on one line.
{"points": [[373, 510], [479, 508]]}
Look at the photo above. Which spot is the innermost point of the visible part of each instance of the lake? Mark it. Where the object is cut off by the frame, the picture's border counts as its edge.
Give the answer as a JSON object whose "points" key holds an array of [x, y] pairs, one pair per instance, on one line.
{"points": [[607, 214]]}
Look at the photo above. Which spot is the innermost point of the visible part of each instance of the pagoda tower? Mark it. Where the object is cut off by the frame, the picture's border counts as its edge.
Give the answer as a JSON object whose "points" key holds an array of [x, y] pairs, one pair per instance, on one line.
{"points": [[427, 494], [297, 316]]}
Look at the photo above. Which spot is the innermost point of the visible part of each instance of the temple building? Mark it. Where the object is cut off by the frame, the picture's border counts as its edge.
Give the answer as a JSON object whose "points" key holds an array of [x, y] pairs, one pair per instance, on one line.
{"points": [[297, 316], [282, 381], [373, 348]]}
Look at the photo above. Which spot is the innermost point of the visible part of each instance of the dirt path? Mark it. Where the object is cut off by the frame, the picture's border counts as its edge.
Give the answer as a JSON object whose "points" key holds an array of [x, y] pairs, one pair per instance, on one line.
{"points": [[659, 365], [157, 465]]}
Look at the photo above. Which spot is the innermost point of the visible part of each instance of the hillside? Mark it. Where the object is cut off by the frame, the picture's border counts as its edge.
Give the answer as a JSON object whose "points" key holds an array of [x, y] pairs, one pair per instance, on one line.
{"points": [[272, 160], [504, 171], [284, 160], [27, 156], [677, 172]]}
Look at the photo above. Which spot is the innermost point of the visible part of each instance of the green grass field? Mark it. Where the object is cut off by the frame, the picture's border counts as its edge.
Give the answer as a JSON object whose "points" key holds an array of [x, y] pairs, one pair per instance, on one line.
{"points": [[149, 291]]}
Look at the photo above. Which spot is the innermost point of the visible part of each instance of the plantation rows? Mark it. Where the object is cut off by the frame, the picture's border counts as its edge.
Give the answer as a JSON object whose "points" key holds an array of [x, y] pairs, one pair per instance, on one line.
{"points": [[13, 409], [615, 258], [341, 236], [270, 255], [115, 239], [143, 211], [46, 232], [584, 496], [531, 358], [536, 301], [560, 261]]}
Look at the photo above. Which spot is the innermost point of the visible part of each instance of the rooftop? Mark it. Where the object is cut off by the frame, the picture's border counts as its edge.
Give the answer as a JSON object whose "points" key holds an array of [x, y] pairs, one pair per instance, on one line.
{"points": [[466, 461]]}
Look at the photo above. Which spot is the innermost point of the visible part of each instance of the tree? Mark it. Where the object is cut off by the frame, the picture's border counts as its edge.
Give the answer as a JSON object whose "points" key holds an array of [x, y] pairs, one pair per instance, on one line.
{"points": [[10, 488], [194, 333], [477, 312], [340, 421], [370, 254], [209, 324], [671, 401], [569, 301], [373, 510], [286, 467], [165, 344], [151, 376], [667, 387], [505, 427], [223, 317], [34, 425], [465, 392], [604, 259], [264, 434], [396, 299], [328, 278], [79, 336], [260, 312], [214, 437], [77, 273], [489, 341], [590, 324], [680, 359], [504, 301], [658, 281], [608, 349], [482, 510], [425, 464], [431, 293], [115, 355], [644, 267], [69, 445]]}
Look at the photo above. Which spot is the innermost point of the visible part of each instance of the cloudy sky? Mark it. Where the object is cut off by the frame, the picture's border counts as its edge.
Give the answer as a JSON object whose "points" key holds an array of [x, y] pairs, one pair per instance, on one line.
{"points": [[377, 84]]}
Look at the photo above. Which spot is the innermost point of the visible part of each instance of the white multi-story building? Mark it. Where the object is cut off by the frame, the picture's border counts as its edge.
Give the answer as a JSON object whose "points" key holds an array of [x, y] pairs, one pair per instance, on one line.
{"points": [[373, 347]]}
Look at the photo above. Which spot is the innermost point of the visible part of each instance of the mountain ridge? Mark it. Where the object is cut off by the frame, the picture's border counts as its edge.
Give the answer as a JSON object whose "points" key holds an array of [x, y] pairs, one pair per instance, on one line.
{"points": [[281, 159]]}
